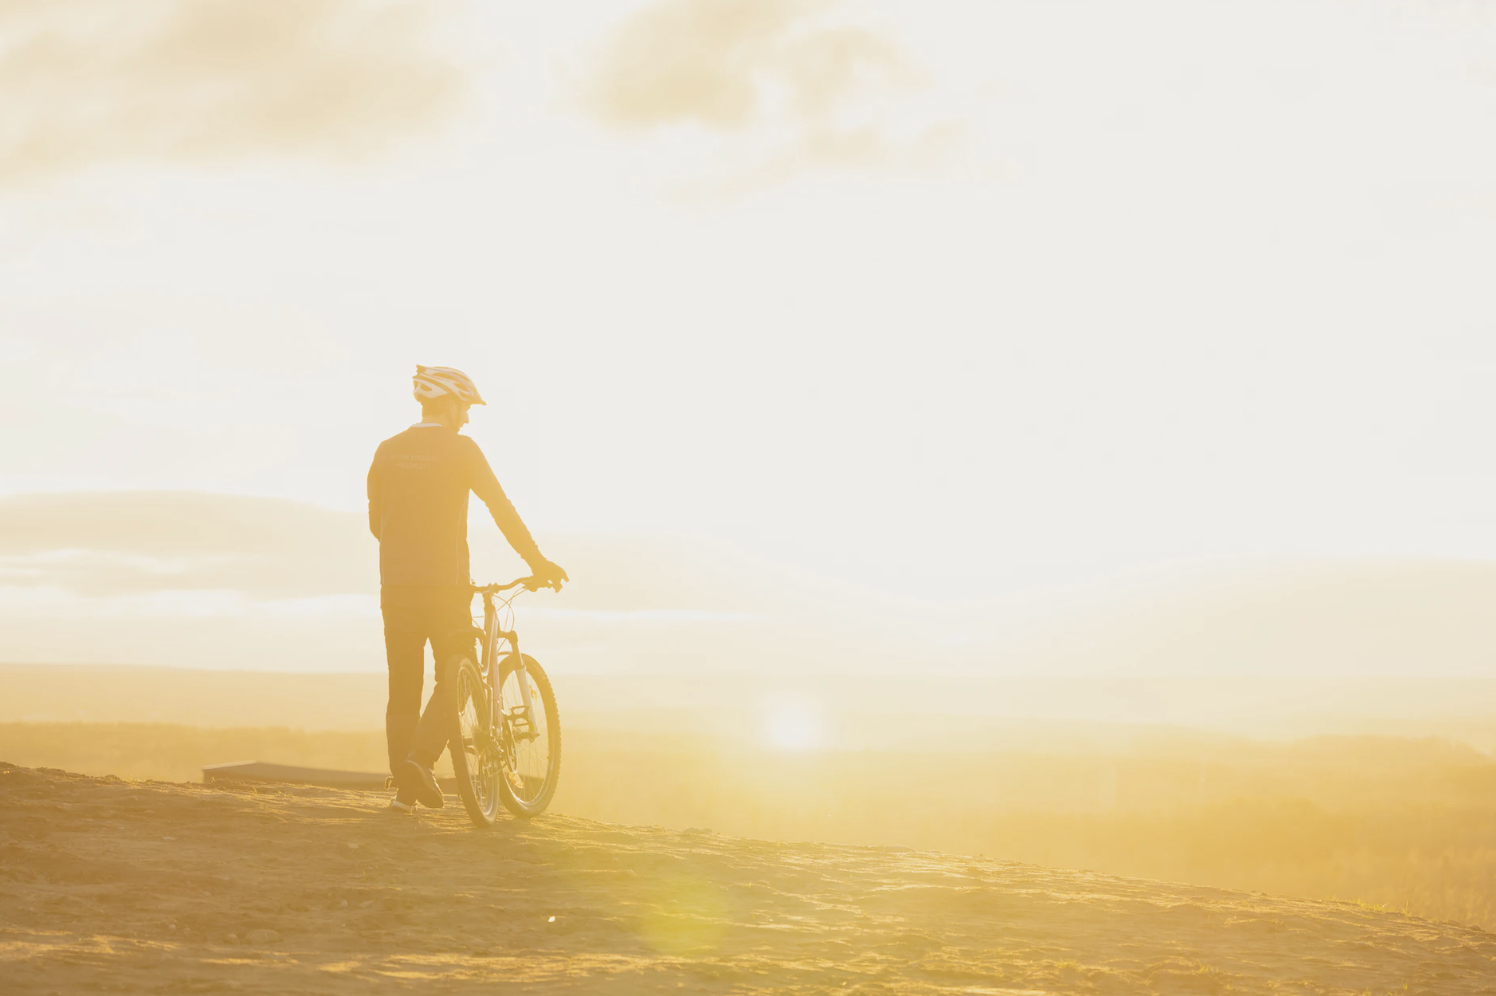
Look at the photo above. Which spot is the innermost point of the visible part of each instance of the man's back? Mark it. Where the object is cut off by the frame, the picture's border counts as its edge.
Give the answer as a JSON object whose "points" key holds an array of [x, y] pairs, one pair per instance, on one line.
{"points": [[418, 506]]}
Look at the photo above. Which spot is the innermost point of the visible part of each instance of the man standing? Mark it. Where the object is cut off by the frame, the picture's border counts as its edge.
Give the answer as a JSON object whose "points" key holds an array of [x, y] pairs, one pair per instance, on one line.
{"points": [[418, 510]]}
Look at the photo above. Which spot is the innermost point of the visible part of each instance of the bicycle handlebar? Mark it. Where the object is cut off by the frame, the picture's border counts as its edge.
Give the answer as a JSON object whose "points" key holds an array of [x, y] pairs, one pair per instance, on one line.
{"points": [[531, 583]]}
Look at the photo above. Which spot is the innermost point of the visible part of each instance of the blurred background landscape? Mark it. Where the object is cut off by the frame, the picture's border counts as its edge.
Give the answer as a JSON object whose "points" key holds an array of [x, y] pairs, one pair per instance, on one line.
{"points": [[1059, 432], [1395, 809]]}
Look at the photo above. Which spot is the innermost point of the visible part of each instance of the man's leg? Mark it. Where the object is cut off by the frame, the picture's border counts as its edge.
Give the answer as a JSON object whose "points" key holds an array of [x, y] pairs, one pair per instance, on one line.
{"points": [[450, 612], [405, 654]]}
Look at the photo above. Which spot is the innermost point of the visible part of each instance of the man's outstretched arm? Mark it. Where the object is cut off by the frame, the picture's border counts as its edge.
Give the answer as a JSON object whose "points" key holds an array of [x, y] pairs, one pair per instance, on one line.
{"points": [[486, 486]]}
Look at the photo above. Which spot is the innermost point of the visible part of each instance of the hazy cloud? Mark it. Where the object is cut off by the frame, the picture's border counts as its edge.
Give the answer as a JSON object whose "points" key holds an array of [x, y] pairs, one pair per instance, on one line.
{"points": [[790, 74], [87, 81], [169, 576], [131, 542], [105, 543], [146, 564], [730, 64]]}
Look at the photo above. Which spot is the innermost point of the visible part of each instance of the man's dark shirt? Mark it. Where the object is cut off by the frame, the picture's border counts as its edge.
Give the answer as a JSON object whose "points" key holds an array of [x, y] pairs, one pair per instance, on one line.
{"points": [[418, 507]]}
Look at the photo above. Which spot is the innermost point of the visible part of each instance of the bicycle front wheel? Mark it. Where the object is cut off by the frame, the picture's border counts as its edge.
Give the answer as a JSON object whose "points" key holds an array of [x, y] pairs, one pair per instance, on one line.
{"points": [[477, 759], [531, 740]]}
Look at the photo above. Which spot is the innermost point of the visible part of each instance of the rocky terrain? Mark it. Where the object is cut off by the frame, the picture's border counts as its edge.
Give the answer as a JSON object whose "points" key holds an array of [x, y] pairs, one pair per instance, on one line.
{"points": [[108, 885]]}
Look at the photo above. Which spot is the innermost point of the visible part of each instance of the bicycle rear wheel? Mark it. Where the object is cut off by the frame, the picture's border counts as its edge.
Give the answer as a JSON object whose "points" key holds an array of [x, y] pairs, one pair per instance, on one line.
{"points": [[531, 755], [476, 753]]}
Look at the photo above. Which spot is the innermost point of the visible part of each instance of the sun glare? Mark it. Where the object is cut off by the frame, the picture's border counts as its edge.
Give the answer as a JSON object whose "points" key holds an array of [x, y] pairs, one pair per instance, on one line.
{"points": [[793, 727]]}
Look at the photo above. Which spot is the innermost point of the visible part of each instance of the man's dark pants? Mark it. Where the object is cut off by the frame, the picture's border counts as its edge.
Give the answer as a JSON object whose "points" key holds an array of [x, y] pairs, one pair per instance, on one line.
{"points": [[413, 616]]}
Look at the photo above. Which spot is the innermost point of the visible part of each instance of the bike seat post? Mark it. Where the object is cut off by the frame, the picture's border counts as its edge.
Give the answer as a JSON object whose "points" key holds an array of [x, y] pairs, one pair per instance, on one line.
{"points": [[489, 622]]}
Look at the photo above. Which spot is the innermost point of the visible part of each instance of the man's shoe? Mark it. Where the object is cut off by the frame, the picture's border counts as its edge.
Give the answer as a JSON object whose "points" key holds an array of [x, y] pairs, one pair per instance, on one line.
{"points": [[398, 805], [417, 779]]}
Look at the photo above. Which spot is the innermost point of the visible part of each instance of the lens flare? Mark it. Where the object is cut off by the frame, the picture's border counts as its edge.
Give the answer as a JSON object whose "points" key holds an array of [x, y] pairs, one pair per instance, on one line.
{"points": [[793, 727]]}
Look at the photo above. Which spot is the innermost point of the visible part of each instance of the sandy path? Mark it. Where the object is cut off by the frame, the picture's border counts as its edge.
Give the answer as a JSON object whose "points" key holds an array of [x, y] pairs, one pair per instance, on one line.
{"points": [[151, 887]]}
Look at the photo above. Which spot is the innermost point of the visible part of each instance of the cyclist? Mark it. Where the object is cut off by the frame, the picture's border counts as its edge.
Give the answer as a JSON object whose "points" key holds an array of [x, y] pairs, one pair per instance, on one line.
{"points": [[418, 510]]}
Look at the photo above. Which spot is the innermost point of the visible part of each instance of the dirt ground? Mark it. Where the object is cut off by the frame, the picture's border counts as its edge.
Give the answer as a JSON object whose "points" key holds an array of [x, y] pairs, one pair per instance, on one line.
{"points": [[107, 885]]}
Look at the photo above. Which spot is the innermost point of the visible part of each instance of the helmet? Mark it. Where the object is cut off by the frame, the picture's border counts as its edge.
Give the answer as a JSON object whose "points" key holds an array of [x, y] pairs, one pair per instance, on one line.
{"points": [[435, 382]]}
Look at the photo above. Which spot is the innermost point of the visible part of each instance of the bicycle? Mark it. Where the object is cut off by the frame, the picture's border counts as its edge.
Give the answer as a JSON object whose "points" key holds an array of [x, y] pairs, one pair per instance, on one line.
{"points": [[504, 749]]}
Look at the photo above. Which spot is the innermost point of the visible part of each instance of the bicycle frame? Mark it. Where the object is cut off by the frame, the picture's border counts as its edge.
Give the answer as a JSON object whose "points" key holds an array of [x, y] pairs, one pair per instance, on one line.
{"points": [[489, 664]]}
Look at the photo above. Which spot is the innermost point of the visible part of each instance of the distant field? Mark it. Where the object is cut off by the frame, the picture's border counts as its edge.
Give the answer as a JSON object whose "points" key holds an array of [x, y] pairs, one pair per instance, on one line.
{"points": [[169, 752], [1401, 823], [863, 710]]}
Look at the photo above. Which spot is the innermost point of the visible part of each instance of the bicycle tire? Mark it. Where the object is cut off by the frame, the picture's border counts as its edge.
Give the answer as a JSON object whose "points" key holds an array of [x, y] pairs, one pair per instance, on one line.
{"points": [[475, 759], [536, 797]]}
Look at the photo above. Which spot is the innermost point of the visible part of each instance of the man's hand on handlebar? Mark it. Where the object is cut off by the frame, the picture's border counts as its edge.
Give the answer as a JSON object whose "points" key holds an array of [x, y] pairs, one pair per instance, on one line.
{"points": [[549, 575]]}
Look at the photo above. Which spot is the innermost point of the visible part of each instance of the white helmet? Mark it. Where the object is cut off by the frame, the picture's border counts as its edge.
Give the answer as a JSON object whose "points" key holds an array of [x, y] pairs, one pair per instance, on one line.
{"points": [[436, 382]]}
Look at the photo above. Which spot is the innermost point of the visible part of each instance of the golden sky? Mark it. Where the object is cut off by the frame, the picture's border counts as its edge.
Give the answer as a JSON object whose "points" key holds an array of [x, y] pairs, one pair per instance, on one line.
{"points": [[933, 299]]}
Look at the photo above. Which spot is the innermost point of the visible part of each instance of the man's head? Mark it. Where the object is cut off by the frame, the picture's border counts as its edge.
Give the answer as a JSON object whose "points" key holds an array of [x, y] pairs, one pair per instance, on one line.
{"points": [[445, 393]]}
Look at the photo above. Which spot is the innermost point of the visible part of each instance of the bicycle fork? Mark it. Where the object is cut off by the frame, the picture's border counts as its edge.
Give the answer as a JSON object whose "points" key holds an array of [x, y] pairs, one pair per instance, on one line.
{"points": [[520, 674]]}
